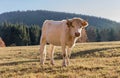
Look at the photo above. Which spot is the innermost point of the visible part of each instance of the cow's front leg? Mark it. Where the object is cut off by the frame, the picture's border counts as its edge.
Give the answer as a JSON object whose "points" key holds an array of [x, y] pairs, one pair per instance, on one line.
{"points": [[69, 54], [42, 51], [64, 50], [42, 54], [52, 47]]}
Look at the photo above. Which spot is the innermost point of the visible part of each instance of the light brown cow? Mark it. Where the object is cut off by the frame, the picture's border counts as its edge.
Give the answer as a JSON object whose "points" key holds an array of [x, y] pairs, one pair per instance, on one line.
{"points": [[2, 43], [60, 33]]}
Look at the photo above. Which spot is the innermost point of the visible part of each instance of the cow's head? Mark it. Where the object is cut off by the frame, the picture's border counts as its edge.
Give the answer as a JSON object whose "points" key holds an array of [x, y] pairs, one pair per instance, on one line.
{"points": [[76, 25]]}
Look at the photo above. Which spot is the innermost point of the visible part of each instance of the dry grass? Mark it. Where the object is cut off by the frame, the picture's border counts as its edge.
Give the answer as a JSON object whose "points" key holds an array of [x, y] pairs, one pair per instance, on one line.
{"points": [[88, 60]]}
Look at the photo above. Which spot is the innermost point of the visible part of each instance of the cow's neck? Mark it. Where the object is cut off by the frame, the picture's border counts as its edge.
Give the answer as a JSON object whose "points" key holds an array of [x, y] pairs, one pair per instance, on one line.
{"points": [[70, 39]]}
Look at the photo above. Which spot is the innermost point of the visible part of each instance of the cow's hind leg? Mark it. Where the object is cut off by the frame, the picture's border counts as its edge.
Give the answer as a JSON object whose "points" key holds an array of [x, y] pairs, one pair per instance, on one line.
{"points": [[52, 47], [42, 50]]}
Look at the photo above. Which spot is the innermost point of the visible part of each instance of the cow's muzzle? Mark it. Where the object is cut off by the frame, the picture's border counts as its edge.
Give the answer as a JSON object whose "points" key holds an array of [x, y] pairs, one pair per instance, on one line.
{"points": [[77, 34]]}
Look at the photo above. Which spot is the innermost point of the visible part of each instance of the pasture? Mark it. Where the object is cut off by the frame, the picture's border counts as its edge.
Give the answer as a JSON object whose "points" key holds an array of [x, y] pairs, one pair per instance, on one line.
{"points": [[88, 60]]}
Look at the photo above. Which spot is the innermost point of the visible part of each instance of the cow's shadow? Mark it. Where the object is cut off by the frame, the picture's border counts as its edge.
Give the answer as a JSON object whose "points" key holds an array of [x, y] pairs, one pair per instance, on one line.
{"points": [[18, 62], [91, 51]]}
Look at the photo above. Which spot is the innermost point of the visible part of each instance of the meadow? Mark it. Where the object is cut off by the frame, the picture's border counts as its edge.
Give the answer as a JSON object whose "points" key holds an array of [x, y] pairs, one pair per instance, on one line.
{"points": [[88, 60]]}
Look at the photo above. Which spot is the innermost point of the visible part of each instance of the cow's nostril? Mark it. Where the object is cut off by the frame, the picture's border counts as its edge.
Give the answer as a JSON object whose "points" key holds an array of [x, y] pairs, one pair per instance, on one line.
{"points": [[77, 34]]}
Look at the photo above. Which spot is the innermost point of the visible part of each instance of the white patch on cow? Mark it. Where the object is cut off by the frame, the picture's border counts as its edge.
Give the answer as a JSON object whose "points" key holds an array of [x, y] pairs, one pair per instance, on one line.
{"points": [[80, 31]]}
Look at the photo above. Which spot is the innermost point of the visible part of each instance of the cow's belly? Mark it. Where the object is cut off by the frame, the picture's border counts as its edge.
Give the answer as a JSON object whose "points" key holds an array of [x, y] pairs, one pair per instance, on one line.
{"points": [[53, 38]]}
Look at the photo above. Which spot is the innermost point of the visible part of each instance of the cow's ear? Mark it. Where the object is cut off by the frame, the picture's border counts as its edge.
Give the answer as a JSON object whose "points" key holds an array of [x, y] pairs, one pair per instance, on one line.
{"points": [[84, 23], [69, 23]]}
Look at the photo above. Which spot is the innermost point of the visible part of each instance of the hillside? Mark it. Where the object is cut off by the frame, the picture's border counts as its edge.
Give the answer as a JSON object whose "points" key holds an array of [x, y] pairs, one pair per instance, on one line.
{"points": [[24, 27], [37, 17], [88, 60]]}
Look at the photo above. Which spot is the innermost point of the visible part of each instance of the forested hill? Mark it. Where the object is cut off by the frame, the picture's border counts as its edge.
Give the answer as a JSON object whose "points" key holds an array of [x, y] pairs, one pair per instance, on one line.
{"points": [[24, 27], [37, 17]]}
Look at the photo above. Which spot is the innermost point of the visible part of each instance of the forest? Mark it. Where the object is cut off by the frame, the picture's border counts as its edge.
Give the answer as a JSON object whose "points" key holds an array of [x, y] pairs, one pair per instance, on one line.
{"points": [[20, 34], [24, 27]]}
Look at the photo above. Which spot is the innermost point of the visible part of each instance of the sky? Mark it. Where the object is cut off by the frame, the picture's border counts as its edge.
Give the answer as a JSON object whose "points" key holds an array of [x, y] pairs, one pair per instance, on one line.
{"points": [[101, 8]]}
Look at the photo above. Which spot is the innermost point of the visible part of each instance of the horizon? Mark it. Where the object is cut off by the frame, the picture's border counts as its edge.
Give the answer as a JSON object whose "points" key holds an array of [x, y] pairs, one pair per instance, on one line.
{"points": [[104, 9]]}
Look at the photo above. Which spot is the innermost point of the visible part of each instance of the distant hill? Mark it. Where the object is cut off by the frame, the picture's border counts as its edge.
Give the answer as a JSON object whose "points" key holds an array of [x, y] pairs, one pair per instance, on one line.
{"points": [[38, 16], [24, 27]]}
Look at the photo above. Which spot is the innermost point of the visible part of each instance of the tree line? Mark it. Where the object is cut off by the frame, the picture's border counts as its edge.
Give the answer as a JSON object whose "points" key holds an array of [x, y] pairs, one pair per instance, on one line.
{"points": [[20, 34], [105, 34]]}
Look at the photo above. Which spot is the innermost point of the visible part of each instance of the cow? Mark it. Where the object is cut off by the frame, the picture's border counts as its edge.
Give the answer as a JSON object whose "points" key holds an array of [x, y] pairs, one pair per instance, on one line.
{"points": [[62, 33], [2, 43]]}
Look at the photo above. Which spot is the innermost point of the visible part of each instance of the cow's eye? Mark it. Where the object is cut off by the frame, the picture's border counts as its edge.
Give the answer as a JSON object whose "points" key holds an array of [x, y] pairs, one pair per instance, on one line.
{"points": [[81, 27], [72, 26]]}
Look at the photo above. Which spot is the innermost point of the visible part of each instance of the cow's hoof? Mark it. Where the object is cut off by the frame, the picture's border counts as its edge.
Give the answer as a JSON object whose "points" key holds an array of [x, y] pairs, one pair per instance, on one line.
{"points": [[64, 65], [68, 63], [52, 64], [42, 63]]}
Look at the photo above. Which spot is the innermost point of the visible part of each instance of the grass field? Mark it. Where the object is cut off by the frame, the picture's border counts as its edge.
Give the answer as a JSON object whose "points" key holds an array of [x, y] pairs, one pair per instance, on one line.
{"points": [[88, 60]]}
